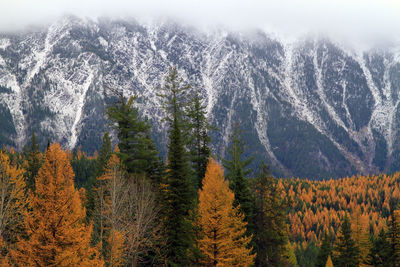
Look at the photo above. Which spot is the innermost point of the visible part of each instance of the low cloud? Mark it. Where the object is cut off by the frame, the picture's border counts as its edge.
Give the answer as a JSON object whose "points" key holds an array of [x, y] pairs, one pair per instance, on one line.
{"points": [[364, 22]]}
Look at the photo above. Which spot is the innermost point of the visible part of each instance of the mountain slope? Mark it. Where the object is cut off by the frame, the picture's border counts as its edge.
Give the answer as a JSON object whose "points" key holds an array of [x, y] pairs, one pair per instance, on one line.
{"points": [[310, 108]]}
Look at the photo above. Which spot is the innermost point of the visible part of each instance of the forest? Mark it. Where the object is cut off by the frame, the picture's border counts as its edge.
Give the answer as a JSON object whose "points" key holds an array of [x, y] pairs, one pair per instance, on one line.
{"points": [[127, 206]]}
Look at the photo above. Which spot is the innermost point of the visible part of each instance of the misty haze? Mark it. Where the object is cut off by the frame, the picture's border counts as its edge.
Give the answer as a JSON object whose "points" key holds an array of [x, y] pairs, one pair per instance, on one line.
{"points": [[134, 130]]}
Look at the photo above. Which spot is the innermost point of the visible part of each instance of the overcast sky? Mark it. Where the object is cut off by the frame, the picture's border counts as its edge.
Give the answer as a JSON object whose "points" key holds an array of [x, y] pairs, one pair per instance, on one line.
{"points": [[370, 22]]}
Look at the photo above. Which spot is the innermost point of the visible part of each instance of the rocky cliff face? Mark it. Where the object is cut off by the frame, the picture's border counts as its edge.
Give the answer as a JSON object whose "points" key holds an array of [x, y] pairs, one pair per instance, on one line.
{"points": [[310, 108]]}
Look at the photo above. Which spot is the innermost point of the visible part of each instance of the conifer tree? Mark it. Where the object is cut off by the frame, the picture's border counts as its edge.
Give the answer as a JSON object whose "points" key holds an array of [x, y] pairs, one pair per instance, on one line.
{"points": [[101, 164], [112, 193], [104, 155], [361, 237], [324, 252], [117, 248], [329, 262], [394, 235], [236, 173], [381, 250], [84, 168], [223, 241], [346, 252], [136, 147], [179, 191], [34, 159], [199, 139], [291, 259], [13, 200], [56, 234], [48, 144], [270, 232]]}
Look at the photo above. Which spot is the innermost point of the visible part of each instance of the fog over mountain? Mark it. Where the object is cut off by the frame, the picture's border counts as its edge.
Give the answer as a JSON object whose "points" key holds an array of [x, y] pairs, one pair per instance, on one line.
{"points": [[359, 22], [315, 86]]}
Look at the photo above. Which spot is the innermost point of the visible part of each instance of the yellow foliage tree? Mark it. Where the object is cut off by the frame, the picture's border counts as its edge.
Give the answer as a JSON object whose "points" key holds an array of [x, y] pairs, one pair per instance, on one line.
{"points": [[56, 233], [222, 238], [117, 248], [329, 262], [112, 202], [12, 199], [360, 230]]}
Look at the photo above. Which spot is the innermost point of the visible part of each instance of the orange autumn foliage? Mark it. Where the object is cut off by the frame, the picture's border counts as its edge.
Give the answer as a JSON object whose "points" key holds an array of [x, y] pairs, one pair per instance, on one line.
{"points": [[12, 198], [116, 242], [222, 241], [56, 233], [319, 206], [111, 198], [329, 262], [360, 234]]}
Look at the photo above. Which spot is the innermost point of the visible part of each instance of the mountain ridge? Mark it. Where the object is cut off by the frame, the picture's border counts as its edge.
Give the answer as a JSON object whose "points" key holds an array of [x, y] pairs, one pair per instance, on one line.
{"points": [[310, 108]]}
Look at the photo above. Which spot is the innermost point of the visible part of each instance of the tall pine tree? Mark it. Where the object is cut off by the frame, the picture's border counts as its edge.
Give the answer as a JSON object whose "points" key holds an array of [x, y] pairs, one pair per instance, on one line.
{"points": [[179, 191], [346, 253], [34, 160], [101, 164], [381, 251], [104, 154], [270, 232], [324, 252], [237, 171], [199, 139], [361, 236]]}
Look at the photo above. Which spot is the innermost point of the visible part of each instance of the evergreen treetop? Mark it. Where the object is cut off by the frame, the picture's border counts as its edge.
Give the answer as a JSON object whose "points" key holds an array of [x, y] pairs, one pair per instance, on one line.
{"points": [[199, 139], [179, 194], [34, 160], [236, 173], [136, 147]]}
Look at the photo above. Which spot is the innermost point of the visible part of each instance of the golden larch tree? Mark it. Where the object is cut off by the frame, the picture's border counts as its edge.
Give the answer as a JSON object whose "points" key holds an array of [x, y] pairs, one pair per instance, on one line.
{"points": [[112, 194], [222, 238], [56, 233], [329, 262], [116, 241], [360, 232], [12, 200]]}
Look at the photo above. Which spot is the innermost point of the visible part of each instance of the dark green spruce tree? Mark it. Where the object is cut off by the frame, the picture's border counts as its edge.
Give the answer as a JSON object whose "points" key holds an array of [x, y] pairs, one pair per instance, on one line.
{"points": [[84, 168], [34, 159], [346, 253], [101, 163], [199, 139], [270, 233], [381, 251], [394, 238], [324, 251], [137, 150], [237, 173], [104, 154], [179, 190]]}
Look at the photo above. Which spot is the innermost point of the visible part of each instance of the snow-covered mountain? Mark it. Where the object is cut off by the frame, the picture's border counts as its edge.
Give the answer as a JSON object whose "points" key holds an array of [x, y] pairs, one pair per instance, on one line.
{"points": [[310, 108]]}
